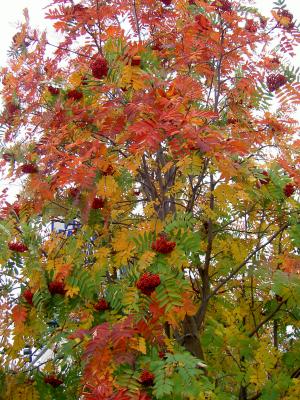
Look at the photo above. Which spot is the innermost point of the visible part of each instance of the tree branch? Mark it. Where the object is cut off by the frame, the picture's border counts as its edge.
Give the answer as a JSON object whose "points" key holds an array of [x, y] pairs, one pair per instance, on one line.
{"points": [[257, 249]]}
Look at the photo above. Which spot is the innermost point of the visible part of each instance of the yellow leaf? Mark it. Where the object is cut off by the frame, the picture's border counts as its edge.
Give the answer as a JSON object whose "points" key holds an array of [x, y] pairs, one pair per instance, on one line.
{"points": [[138, 344], [75, 79], [146, 259], [71, 290], [107, 187], [123, 247]]}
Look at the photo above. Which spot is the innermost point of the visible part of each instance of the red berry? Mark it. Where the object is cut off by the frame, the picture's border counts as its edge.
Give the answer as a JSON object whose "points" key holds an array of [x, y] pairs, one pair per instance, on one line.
{"points": [[28, 295], [147, 378], [53, 90], [222, 5], [99, 67], [74, 94], [74, 192], [97, 203], [289, 189], [192, 2], [102, 305], [57, 287], [161, 245], [53, 380], [232, 120], [275, 81], [136, 60], [29, 168], [148, 282], [18, 247], [166, 2], [251, 26]]}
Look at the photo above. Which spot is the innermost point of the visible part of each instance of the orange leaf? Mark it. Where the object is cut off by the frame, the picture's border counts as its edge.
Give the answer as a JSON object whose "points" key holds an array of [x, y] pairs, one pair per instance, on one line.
{"points": [[19, 314]]}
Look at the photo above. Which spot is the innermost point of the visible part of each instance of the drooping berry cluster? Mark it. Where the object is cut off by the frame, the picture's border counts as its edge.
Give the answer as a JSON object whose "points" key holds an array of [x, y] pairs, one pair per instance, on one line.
{"points": [[57, 287], [74, 192], [275, 81], [29, 168], [251, 26], [74, 94], [136, 61], [97, 203], [161, 245], [147, 378], [18, 247], [53, 90], [53, 380], [102, 305], [99, 67], [289, 190], [28, 296], [222, 5], [148, 282]]}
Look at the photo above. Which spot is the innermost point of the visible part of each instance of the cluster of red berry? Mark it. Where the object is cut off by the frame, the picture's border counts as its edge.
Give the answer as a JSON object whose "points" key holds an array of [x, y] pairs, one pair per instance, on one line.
{"points": [[17, 246], [289, 190], [275, 81], [97, 203], [99, 67], [28, 296], [148, 282], [166, 2], [102, 305], [251, 26], [222, 5], [29, 168], [54, 91], [53, 380], [161, 245], [74, 192], [57, 287], [147, 378], [74, 94]]}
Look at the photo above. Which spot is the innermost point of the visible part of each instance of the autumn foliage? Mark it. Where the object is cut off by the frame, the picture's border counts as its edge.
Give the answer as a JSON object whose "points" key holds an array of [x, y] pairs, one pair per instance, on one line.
{"points": [[152, 248]]}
